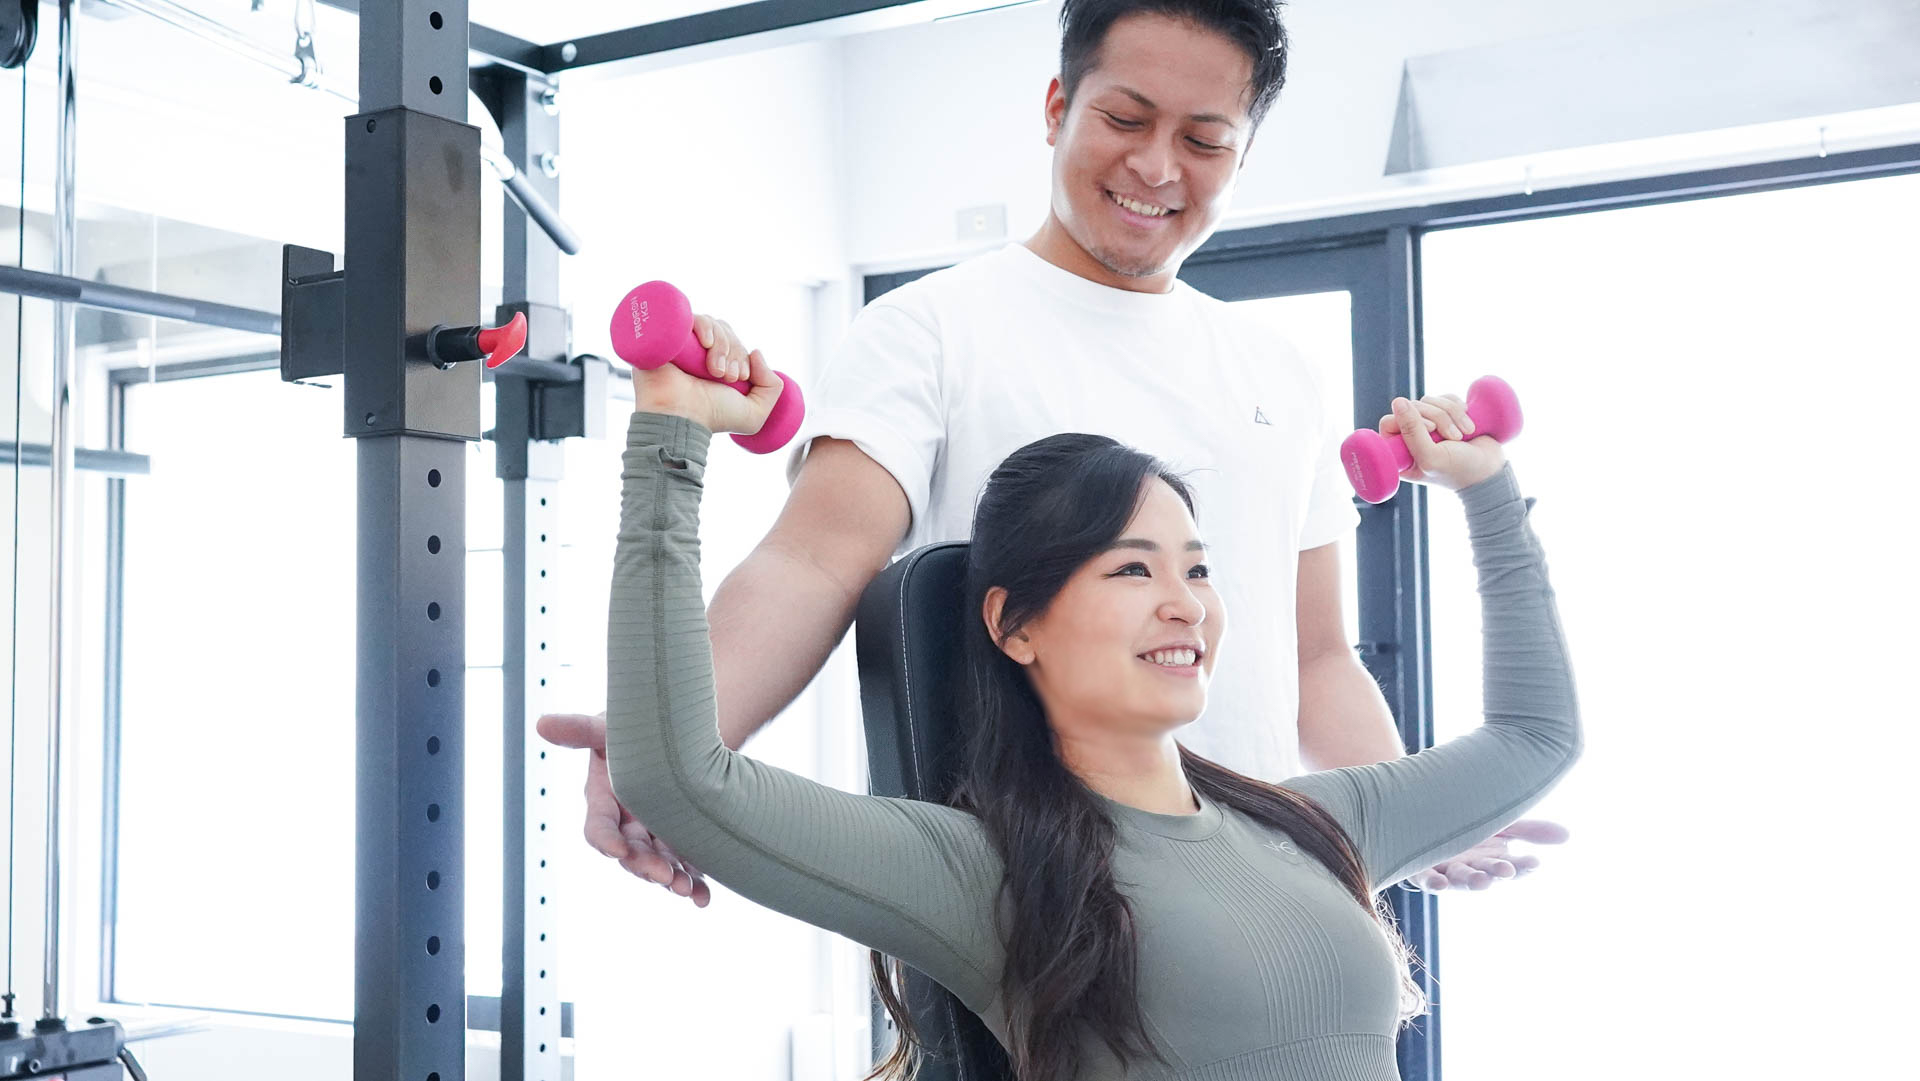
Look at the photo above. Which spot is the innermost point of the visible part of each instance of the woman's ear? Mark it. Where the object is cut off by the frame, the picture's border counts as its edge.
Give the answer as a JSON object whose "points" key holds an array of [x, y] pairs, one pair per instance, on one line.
{"points": [[1017, 648]]}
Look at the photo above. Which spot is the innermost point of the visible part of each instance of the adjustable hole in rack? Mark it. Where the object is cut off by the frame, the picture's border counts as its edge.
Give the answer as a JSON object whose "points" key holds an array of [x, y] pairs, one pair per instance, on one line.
{"points": [[433, 84], [436, 20], [433, 880], [433, 610], [433, 545], [433, 677], [433, 812], [433, 945], [433, 478], [433, 744]]}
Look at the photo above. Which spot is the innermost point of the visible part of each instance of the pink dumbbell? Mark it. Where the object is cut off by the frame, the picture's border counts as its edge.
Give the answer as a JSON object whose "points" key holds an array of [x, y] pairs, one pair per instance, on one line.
{"points": [[1374, 462], [654, 325]]}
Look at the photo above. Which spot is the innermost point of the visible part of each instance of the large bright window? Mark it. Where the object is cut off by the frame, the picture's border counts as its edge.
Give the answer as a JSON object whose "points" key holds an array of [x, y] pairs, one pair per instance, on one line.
{"points": [[1716, 434], [236, 772]]}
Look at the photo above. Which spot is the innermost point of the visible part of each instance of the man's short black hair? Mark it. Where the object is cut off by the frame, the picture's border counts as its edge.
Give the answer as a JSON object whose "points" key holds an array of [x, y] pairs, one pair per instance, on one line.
{"points": [[1254, 25]]}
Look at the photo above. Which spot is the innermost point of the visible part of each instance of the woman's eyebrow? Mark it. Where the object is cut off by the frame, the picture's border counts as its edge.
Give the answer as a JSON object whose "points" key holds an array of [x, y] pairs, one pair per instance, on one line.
{"points": [[1145, 545]]}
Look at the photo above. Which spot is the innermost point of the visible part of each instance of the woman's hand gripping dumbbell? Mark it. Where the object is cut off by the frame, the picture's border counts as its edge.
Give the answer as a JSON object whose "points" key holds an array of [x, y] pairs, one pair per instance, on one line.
{"points": [[654, 327], [1376, 462]]}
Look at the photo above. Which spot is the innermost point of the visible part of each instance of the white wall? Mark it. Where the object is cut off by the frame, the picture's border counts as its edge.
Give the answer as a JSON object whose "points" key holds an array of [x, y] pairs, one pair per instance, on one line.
{"points": [[948, 115], [722, 172]]}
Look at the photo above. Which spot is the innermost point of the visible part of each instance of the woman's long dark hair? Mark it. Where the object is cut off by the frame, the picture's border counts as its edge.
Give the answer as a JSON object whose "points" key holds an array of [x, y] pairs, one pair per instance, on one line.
{"points": [[1071, 953]]}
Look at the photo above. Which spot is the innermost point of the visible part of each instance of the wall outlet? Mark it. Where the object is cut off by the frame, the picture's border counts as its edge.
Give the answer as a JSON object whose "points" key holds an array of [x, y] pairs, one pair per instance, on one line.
{"points": [[981, 222]]}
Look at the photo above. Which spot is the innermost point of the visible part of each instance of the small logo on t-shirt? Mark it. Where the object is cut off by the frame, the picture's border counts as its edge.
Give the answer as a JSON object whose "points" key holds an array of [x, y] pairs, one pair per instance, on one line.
{"points": [[1260, 417], [1284, 849]]}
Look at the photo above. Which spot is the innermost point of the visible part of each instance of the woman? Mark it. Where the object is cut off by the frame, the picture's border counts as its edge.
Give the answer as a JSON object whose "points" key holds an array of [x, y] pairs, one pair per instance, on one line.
{"points": [[1109, 904]]}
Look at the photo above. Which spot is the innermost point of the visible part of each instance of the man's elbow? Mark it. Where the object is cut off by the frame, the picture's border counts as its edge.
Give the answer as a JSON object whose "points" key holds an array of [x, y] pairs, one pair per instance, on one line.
{"points": [[813, 566]]}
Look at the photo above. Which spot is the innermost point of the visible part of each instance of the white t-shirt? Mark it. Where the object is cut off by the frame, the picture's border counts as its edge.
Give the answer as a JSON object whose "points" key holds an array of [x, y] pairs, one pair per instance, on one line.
{"points": [[942, 378]]}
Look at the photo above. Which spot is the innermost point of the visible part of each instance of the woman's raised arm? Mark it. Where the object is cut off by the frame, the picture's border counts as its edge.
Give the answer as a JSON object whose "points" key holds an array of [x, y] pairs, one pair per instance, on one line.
{"points": [[1407, 813], [915, 880]]}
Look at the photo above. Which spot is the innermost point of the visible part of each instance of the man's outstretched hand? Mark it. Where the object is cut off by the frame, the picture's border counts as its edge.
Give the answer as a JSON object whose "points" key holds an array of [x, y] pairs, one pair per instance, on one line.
{"points": [[1480, 866], [609, 828]]}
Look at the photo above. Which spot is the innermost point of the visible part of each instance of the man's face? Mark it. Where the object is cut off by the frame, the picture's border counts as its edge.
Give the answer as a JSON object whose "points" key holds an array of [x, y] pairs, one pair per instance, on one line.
{"points": [[1146, 155]]}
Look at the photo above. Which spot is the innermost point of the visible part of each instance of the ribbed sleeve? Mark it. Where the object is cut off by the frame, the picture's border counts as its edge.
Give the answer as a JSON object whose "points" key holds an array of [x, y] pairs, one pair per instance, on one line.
{"points": [[1407, 813], [913, 879]]}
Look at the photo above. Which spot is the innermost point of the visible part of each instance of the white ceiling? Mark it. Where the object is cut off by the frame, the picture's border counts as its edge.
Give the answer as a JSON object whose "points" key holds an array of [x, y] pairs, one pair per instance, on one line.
{"points": [[559, 20]]}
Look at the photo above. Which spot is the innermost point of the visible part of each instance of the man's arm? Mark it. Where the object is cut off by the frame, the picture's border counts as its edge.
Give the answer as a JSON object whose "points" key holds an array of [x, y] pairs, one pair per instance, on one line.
{"points": [[1344, 719], [780, 613]]}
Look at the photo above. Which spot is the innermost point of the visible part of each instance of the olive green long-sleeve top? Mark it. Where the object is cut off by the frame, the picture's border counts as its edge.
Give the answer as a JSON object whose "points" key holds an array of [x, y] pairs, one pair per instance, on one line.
{"points": [[1254, 962]]}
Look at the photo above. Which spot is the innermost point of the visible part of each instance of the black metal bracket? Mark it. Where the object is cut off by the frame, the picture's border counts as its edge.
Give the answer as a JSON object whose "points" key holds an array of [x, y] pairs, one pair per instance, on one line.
{"points": [[313, 331], [568, 394], [313, 299], [545, 395], [577, 408]]}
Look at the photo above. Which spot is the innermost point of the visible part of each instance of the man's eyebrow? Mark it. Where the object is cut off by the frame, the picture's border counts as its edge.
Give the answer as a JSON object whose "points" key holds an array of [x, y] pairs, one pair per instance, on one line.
{"points": [[1148, 546], [1147, 103]]}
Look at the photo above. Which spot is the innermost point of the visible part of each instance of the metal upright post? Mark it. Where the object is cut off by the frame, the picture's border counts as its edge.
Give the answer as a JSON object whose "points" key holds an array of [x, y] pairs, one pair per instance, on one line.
{"points": [[60, 457], [1393, 606], [412, 263], [529, 465]]}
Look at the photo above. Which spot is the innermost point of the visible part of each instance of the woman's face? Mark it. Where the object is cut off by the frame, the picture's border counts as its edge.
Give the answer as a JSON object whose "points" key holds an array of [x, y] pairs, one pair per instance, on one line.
{"points": [[1129, 643]]}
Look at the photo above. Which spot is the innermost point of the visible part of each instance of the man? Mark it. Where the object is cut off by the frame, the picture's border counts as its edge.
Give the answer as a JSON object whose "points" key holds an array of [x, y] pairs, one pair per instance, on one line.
{"points": [[1084, 327]]}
